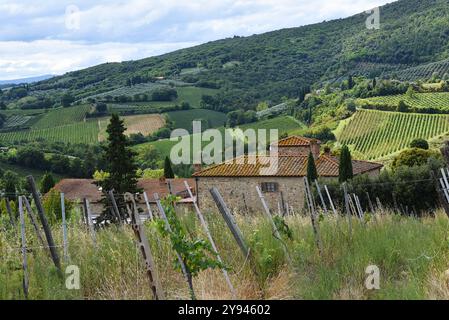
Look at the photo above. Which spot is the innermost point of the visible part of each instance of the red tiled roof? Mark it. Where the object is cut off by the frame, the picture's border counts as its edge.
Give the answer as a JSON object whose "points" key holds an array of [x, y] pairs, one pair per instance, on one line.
{"points": [[251, 166], [77, 189], [296, 141], [288, 166]]}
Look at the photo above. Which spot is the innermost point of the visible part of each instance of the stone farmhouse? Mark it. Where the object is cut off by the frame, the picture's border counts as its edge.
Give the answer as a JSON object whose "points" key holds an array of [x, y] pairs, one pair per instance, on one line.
{"points": [[237, 179]]}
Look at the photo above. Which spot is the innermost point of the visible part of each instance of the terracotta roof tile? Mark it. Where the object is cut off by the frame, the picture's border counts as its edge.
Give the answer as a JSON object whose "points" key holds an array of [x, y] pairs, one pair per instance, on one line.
{"points": [[296, 141], [288, 166], [254, 166], [77, 189]]}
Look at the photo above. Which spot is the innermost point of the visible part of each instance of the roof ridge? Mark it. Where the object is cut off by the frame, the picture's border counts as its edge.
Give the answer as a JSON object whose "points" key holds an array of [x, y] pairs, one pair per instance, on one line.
{"points": [[330, 158]]}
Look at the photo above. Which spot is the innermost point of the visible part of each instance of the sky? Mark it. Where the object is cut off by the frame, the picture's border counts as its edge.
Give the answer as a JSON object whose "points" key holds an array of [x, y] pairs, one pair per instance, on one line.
{"points": [[56, 36]]}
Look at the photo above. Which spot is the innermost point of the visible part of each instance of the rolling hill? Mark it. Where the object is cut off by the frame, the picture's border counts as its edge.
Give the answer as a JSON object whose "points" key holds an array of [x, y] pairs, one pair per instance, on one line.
{"points": [[275, 64], [376, 134]]}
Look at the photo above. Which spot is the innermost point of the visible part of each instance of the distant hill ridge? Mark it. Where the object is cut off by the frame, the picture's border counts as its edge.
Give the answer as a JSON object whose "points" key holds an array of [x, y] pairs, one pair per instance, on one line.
{"points": [[27, 80], [273, 65]]}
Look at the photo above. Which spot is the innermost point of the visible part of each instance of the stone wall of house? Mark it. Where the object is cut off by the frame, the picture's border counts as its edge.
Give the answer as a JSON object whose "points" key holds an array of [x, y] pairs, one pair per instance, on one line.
{"points": [[294, 151], [374, 173], [241, 196]]}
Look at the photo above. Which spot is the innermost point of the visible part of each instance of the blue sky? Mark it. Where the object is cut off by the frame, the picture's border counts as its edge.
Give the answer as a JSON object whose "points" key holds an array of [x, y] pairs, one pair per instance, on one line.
{"points": [[54, 36]]}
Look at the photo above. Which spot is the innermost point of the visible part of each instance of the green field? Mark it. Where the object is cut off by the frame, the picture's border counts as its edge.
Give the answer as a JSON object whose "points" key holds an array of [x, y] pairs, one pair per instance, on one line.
{"points": [[20, 112], [62, 116], [81, 132], [375, 134], [423, 72], [439, 100], [23, 172], [183, 119], [285, 124], [192, 95]]}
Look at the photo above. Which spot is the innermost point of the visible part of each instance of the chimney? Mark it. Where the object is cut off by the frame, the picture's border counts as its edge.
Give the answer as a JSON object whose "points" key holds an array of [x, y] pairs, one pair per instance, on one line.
{"points": [[197, 167], [315, 148]]}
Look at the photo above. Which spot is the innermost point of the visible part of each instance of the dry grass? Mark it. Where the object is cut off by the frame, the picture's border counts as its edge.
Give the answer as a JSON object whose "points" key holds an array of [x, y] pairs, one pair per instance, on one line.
{"points": [[411, 254], [145, 124]]}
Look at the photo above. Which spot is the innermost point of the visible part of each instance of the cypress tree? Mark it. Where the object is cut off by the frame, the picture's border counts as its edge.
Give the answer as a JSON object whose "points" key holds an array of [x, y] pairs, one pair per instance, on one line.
{"points": [[350, 82], [345, 169], [47, 183], [312, 173], [168, 171]]}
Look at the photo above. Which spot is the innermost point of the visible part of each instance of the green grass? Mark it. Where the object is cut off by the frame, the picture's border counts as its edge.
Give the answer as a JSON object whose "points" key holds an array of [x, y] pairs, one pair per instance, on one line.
{"points": [[411, 254], [81, 132], [23, 172], [189, 94], [183, 119], [375, 134], [285, 124], [20, 112], [62, 116], [438, 100]]}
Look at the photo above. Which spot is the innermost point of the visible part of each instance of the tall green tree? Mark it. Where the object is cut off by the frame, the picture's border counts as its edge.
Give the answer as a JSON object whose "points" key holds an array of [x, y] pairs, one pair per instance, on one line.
{"points": [[10, 184], [350, 82], [121, 166], [345, 172], [312, 173], [168, 171], [47, 183], [67, 99]]}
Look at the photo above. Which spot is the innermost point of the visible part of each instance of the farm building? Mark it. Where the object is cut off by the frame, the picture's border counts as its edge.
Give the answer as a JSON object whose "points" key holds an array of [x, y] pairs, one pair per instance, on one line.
{"points": [[78, 189], [237, 179]]}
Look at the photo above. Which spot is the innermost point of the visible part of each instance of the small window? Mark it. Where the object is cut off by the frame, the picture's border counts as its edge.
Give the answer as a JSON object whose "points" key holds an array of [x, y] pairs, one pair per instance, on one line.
{"points": [[270, 187]]}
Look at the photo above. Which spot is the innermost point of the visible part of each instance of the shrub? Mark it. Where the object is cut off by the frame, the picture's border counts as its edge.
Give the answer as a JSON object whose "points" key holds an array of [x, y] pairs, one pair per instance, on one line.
{"points": [[414, 157], [52, 207], [420, 144]]}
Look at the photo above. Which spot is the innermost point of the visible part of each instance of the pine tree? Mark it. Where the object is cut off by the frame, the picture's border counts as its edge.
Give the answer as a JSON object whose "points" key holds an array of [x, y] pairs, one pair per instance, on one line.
{"points": [[120, 164], [312, 173], [47, 183], [345, 169], [168, 171]]}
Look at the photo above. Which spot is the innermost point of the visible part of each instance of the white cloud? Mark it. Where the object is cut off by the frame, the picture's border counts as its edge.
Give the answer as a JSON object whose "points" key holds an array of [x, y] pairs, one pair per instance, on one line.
{"points": [[24, 59], [34, 33]]}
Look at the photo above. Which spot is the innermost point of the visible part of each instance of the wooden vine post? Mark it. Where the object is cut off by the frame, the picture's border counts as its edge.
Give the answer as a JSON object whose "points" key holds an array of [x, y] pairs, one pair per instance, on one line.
{"points": [[273, 225], [90, 223], [64, 230], [235, 230], [211, 240], [315, 226], [33, 220], [330, 200], [142, 242], [184, 269], [115, 209], [348, 210], [43, 219], [8, 209], [232, 225], [24, 249], [150, 212], [323, 203]]}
